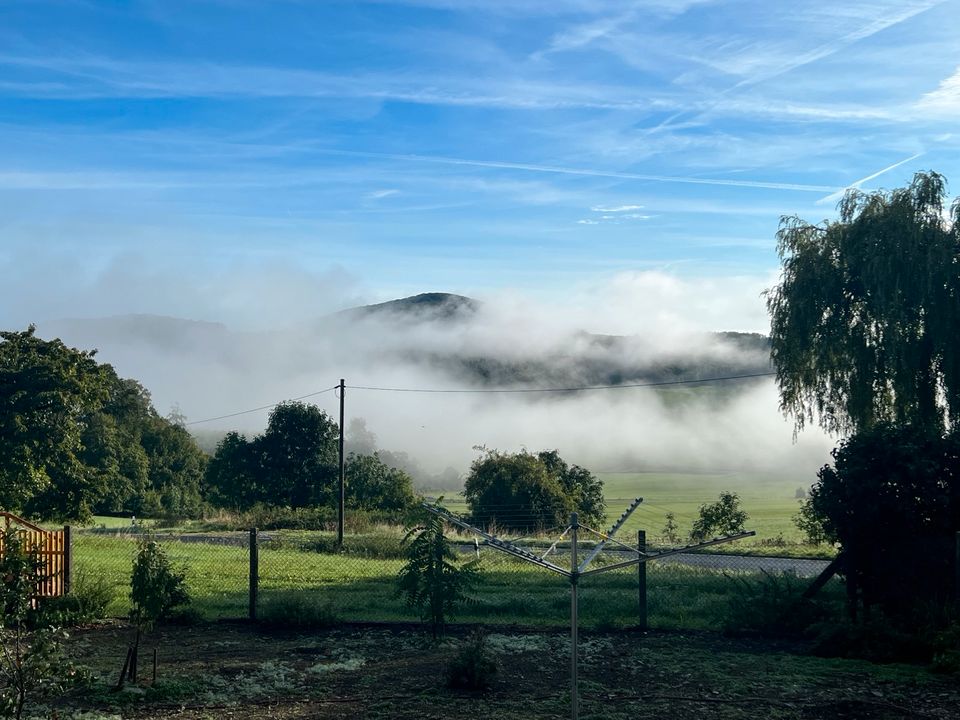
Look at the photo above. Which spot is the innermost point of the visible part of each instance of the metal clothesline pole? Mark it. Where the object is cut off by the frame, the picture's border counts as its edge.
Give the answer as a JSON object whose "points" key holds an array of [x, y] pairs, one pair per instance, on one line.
{"points": [[576, 572]]}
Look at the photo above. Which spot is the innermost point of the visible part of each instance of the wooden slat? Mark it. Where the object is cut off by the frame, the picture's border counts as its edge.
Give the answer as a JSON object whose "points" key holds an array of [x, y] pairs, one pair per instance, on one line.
{"points": [[49, 546]]}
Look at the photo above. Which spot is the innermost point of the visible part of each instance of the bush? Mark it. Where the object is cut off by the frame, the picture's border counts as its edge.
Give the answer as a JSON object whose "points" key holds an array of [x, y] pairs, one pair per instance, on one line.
{"points": [[724, 517], [892, 502], [529, 492], [32, 665], [473, 667], [372, 484], [88, 600], [946, 649], [671, 531], [772, 606], [297, 611], [876, 639]]}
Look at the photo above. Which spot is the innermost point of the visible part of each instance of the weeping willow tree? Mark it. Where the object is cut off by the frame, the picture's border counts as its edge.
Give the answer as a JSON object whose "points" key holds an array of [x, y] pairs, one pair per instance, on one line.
{"points": [[865, 323]]}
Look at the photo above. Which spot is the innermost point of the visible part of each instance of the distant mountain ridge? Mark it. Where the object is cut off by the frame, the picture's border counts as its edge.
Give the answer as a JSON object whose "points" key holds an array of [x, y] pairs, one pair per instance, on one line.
{"points": [[432, 306], [342, 338]]}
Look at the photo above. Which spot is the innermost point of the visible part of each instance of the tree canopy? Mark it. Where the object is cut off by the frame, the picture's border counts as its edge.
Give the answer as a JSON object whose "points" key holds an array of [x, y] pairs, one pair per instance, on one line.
{"points": [[891, 500], [526, 491], [374, 485], [863, 321], [75, 438], [293, 463]]}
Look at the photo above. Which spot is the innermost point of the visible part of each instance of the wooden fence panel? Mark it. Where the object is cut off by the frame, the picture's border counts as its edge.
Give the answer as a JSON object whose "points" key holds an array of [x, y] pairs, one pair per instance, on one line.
{"points": [[50, 548]]}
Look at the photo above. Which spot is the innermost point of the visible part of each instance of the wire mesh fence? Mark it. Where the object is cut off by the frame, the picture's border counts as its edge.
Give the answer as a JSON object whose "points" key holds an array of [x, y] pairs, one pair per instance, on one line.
{"points": [[294, 570], [216, 567]]}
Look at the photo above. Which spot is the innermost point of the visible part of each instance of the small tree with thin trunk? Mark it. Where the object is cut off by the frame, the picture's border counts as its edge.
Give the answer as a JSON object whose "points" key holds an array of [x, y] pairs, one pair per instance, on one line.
{"points": [[156, 588], [431, 580], [671, 531]]}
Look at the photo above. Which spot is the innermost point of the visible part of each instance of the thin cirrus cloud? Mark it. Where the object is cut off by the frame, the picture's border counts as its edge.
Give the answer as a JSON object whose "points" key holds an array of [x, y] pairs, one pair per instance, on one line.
{"points": [[588, 172], [476, 141], [93, 77]]}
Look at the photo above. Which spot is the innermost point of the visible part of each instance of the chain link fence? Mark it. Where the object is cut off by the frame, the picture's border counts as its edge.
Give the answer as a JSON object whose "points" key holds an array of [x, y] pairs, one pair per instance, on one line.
{"points": [[216, 567], [304, 573]]}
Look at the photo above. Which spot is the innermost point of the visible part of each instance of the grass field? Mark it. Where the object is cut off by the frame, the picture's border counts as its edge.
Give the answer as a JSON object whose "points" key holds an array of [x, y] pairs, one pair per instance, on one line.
{"points": [[360, 584], [770, 500]]}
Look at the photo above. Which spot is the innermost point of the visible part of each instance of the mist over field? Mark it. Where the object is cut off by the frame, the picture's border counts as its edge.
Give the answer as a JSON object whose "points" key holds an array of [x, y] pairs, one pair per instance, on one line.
{"points": [[450, 342]]}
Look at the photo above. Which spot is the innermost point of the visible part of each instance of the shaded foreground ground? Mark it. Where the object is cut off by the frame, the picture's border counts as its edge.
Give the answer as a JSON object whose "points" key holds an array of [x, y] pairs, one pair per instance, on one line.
{"points": [[238, 671]]}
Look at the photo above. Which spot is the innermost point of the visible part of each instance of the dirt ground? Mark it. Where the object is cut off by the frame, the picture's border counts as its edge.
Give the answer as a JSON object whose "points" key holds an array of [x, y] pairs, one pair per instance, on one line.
{"points": [[225, 671]]}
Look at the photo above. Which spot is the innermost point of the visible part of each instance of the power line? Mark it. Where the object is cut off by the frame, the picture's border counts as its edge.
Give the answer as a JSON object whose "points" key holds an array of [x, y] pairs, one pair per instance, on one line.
{"points": [[585, 388], [622, 386], [262, 407]]}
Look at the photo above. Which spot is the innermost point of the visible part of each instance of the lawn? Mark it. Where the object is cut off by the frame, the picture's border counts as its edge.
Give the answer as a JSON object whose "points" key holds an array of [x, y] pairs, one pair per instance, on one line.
{"points": [[360, 585]]}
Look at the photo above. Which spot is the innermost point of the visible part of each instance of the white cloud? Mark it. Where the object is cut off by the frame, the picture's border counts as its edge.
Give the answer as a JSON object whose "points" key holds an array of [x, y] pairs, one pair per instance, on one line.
{"points": [[380, 194], [945, 99], [615, 208]]}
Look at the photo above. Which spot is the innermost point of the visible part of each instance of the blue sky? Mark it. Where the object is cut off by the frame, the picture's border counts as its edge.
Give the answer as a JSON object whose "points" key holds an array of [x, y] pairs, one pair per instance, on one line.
{"points": [[243, 160]]}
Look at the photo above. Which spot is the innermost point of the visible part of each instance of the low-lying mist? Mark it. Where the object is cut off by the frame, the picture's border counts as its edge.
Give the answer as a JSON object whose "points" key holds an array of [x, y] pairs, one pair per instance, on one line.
{"points": [[452, 343]]}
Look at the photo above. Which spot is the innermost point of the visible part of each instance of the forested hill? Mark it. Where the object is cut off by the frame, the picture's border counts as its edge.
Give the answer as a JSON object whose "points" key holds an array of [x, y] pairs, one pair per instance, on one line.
{"points": [[425, 307], [446, 336]]}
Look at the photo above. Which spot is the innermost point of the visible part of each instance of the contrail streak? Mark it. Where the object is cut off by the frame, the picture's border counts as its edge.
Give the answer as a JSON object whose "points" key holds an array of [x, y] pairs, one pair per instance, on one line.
{"points": [[442, 160], [833, 197]]}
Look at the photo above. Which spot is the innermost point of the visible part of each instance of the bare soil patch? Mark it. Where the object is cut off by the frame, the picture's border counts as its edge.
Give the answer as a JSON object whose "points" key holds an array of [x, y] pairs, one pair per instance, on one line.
{"points": [[232, 670]]}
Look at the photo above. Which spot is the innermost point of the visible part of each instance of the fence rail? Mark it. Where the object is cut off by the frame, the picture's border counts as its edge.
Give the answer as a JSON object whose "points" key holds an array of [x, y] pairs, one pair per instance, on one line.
{"points": [[52, 548]]}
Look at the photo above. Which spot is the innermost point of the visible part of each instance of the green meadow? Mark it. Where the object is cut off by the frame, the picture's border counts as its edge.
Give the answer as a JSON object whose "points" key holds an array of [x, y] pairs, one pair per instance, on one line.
{"points": [[360, 586], [769, 499]]}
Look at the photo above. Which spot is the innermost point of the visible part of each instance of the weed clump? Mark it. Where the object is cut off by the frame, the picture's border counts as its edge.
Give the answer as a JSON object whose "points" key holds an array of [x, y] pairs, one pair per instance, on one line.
{"points": [[88, 600], [298, 611], [772, 606], [473, 667]]}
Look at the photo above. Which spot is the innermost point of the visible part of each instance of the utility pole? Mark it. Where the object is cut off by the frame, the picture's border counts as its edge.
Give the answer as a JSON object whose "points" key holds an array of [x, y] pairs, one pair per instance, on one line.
{"points": [[574, 619], [343, 494]]}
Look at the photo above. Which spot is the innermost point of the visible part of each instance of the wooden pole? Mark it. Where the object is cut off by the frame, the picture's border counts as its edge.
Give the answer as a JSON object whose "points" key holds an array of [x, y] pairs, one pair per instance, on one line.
{"points": [[254, 573], [642, 577], [343, 493]]}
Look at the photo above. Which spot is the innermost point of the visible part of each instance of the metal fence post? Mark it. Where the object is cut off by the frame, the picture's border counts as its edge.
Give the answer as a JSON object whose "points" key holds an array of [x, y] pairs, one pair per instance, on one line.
{"points": [[67, 559], [956, 566], [254, 573], [642, 577]]}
